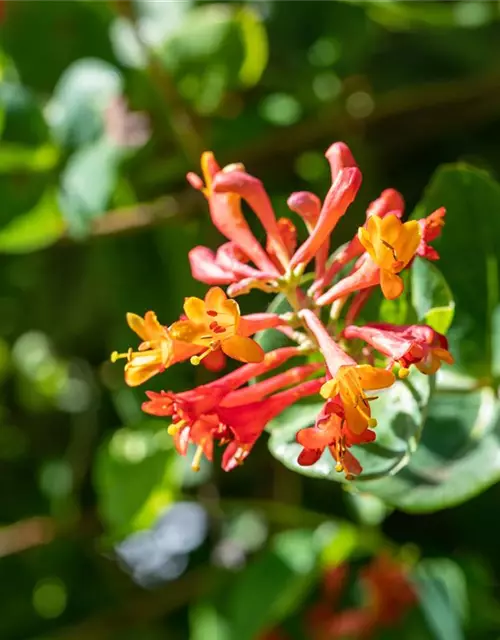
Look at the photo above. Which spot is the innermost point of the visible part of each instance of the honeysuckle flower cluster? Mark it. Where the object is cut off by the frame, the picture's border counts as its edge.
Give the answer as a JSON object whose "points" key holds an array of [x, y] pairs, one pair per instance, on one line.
{"points": [[233, 412]]}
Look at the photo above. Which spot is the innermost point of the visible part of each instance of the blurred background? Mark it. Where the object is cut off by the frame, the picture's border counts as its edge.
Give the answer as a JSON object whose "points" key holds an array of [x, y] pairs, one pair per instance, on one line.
{"points": [[104, 106]]}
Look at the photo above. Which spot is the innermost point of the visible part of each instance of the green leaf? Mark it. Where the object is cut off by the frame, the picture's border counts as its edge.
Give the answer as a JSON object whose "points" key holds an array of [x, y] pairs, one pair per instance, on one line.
{"points": [[36, 229], [77, 30], [87, 183], [132, 477], [23, 121], [274, 585], [214, 49], [83, 93], [206, 623], [400, 412], [470, 254], [26, 155], [457, 457], [431, 296], [16, 157], [442, 592]]}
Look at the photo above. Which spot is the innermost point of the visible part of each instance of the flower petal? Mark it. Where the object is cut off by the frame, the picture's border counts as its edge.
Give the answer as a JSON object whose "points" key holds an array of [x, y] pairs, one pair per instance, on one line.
{"points": [[356, 421], [136, 323], [243, 349], [136, 375], [194, 308], [374, 377], [214, 299], [307, 457], [154, 330], [187, 331], [329, 389], [408, 241], [315, 437], [391, 284]]}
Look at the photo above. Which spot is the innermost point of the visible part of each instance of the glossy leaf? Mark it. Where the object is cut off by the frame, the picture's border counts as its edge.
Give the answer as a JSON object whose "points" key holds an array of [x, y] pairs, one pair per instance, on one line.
{"points": [[431, 296], [457, 457], [132, 477], [470, 258], [400, 412], [34, 229]]}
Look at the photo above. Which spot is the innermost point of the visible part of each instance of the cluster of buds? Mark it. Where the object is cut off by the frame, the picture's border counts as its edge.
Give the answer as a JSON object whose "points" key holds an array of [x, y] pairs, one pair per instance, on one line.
{"points": [[230, 410]]}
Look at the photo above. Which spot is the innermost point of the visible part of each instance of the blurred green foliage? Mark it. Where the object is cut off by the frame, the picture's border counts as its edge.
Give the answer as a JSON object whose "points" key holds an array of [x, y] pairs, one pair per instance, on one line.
{"points": [[104, 107]]}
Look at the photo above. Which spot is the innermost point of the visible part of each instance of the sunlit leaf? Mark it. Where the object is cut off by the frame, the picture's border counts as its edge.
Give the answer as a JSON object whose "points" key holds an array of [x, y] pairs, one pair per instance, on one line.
{"points": [[431, 296], [470, 257], [34, 229], [400, 412], [457, 457], [132, 477]]}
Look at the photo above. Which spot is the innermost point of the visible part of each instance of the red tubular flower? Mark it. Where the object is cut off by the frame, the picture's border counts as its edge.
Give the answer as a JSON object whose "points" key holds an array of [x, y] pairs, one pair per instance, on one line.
{"points": [[231, 257], [266, 387], [247, 422], [215, 361], [339, 157], [288, 234], [205, 267], [308, 206], [349, 380], [405, 345], [341, 194], [195, 413], [365, 274], [357, 303], [243, 185], [226, 214], [430, 228], [228, 266], [331, 431], [389, 201], [389, 590]]}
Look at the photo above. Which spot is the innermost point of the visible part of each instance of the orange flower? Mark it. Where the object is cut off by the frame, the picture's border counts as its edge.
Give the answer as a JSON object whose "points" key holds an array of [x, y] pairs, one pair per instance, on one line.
{"points": [[391, 244], [331, 430], [214, 323], [350, 383], [157, 351]]}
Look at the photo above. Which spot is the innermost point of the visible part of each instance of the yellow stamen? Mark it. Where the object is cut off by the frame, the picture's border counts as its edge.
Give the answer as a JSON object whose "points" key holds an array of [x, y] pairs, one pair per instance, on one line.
{"points": [[403, 373], [339, 467], [372, 422], [195, 360], [117, 356], [174, 428], [195, 464]]}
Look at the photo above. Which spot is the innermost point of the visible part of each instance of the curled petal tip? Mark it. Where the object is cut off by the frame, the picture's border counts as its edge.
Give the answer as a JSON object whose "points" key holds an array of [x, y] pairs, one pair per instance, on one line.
{"points": [[339, 156]]}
